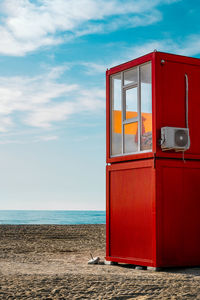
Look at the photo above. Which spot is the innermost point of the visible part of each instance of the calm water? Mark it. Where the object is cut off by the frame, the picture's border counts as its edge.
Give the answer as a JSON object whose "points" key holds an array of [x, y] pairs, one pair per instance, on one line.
{"points": [[52, 217]]}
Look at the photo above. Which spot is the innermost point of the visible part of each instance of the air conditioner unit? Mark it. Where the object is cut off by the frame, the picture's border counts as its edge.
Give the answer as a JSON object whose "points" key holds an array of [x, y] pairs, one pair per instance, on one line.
{"points": [[173, 138]]}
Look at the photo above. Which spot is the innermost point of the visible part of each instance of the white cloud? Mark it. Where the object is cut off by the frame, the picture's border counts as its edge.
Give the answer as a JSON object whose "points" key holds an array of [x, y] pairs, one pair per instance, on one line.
{"points": [[42, 100], [190, 46], [5, 142], [5, 123], [28, 25], [43, 115], [10, 138], [84, 101], [94, 68], [49, 138]]}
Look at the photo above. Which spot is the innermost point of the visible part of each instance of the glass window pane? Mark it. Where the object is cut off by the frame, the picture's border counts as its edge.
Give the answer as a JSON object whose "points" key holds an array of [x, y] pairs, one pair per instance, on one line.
{"points": [[116, 115], [146, 107], [131, 137], [131, 76], [131, 103]]}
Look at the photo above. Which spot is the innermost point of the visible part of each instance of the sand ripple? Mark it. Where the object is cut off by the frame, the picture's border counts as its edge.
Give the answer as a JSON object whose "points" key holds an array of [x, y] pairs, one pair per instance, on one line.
{"points": [[50, 262]]}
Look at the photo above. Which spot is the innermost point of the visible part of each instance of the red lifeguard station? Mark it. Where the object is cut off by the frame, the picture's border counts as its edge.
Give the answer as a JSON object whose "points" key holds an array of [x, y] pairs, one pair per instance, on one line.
{"points": [[153, 161]]}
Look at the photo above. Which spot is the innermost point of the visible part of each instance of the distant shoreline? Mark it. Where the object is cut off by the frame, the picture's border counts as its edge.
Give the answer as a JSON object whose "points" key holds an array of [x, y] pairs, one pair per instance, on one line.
{"points": [[48, 217]]}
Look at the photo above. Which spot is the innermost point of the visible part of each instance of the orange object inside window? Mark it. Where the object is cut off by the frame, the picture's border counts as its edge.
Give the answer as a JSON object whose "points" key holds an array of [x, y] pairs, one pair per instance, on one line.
{"points": [[146, 122]]}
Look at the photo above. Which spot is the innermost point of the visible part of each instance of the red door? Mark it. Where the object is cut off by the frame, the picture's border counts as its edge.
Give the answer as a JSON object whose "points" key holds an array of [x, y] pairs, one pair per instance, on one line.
{"points": [[131, 211]]}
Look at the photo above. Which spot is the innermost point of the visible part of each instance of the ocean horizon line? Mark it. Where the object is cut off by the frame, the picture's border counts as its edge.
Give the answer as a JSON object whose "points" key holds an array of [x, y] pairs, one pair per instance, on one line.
{"points": [[52, 210], [59, 217]]}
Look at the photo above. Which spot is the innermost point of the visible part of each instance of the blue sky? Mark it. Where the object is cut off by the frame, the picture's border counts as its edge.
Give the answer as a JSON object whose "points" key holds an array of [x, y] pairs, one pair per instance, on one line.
{"points": [[53, 58]]}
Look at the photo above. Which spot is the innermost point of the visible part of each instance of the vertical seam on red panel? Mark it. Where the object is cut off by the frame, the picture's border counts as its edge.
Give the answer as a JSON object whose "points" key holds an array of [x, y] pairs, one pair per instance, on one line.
{"points": [[154, 102], [107, 116], [155, 214], [107, 211]]}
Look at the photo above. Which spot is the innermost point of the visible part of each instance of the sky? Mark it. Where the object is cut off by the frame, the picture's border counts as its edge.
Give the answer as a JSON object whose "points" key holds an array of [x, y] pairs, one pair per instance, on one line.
{"points": [[53, 58]]}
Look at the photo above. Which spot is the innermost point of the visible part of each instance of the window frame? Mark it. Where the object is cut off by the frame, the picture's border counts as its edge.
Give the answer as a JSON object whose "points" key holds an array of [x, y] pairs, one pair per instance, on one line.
{"points": [[124, 88]]}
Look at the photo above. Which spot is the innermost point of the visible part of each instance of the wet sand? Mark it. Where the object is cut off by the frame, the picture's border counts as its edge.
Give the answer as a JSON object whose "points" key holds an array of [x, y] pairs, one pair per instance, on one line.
{"points": [[50, 262]]}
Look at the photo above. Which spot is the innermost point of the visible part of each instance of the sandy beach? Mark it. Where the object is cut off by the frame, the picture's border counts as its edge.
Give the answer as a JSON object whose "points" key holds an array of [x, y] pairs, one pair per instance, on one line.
{"points": [[50, 262]]}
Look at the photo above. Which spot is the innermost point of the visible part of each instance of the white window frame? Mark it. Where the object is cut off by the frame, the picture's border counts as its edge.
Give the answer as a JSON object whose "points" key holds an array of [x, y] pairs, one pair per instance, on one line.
{"points": [[124, 88]]}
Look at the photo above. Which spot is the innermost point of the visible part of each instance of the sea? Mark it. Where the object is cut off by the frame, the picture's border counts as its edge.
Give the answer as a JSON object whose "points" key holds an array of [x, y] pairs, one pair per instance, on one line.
{"points": [[59, 217]]}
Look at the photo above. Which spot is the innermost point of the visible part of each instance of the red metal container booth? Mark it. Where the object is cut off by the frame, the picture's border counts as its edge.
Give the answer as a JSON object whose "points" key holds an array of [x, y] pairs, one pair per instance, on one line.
{"points": [[153, 161]]}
